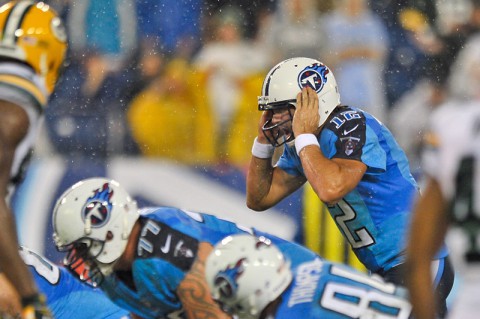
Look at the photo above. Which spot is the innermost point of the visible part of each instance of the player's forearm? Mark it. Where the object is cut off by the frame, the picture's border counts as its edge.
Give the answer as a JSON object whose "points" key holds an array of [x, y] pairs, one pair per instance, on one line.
{"points": [[419, 283], [259, 182], [421, 291], [423, 245], [326, 177], [194, 293], [9, 299], [424, 242], [10, 261]]}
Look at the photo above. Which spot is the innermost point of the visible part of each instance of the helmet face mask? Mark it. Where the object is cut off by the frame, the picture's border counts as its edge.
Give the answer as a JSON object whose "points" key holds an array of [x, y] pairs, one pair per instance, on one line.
{"points": [[285, 80], [81, 260], [92, 222], [232, 273], [281, 132]]}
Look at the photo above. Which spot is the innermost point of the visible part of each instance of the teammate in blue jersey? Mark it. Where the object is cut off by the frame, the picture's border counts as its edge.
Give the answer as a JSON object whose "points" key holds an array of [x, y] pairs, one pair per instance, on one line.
{"points": [[66, 296], [350, 159], [149, 261], [253, 278]]}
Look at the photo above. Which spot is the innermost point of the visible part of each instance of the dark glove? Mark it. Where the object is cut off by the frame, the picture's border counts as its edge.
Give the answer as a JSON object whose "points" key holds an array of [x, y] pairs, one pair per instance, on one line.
{"points": [[35, 307]]}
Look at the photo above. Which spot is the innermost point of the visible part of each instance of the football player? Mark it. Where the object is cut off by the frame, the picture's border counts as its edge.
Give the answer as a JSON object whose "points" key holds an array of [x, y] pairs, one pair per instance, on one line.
{"points": [[33, 43], [451, 162], [350, 159], [150, 261], [255, 279]]}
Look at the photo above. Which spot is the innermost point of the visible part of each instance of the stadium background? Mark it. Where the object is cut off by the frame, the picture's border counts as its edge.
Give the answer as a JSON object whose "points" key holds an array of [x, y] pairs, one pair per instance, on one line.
{"points": [[166, 154]]}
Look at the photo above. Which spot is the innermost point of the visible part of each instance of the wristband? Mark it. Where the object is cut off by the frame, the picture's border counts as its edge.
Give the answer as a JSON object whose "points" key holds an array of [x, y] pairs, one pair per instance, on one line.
{"points": [[262, 150], [304, 140]]}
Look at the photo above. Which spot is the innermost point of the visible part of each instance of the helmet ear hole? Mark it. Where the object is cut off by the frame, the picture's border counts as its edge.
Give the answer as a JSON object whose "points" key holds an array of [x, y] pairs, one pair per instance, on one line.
{"points": [[109, 236]]}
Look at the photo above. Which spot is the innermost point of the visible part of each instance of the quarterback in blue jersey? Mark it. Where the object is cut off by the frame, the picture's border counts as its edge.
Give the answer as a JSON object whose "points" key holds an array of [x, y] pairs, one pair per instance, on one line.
{"points": [[253, 278], [66, 296], [150, 261], [350, 159]]}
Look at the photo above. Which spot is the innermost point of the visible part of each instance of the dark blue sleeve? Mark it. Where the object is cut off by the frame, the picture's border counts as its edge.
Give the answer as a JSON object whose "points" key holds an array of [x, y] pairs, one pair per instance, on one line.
{"points": [[349, 135], [349, 130]]}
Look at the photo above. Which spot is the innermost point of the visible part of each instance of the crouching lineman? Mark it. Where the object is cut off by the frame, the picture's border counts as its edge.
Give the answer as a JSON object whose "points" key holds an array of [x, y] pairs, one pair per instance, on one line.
{"points": [[253, 278], [149, 261]]}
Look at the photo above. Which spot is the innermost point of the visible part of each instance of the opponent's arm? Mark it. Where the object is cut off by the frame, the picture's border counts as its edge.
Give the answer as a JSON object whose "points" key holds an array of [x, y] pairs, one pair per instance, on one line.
{"points": [[429, 226], [9, 299], [267, 185], [14, 124], [331, 179], [194, 293]]}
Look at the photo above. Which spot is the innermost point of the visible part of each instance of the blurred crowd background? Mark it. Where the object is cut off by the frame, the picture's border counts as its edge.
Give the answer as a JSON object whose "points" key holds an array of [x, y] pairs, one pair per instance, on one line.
{"points": [[179, 79]]}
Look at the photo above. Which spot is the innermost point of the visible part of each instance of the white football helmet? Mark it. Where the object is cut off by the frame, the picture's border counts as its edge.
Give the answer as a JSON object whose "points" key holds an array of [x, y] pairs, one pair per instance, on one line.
{"points": [[246, 273], [285, 80], [92, 221]]}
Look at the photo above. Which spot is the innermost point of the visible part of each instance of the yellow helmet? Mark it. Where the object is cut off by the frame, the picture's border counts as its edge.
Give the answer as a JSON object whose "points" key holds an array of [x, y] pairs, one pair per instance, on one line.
{"points": [[33, 33]]}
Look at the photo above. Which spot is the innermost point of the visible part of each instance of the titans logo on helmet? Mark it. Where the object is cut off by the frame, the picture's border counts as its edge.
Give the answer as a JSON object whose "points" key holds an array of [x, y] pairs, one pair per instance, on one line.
{"points": [[226, 280], [314, 76], [98, 207]]}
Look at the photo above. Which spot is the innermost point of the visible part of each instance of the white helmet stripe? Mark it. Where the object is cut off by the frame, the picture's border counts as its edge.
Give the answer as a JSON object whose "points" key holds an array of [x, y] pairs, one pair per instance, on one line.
{"points": [[14, 22]]}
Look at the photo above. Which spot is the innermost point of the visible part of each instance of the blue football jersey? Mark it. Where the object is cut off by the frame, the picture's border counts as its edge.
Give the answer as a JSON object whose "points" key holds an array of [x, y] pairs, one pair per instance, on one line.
{"points": [[166, 249], [375, 216], [68, 297], [321, 289]]}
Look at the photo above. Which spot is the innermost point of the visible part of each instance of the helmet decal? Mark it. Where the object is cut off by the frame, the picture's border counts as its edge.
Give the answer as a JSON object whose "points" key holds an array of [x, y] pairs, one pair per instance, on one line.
{"points": [[226, 280], [98, 207], [314, 76]]}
